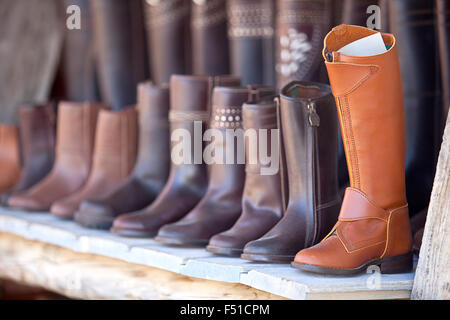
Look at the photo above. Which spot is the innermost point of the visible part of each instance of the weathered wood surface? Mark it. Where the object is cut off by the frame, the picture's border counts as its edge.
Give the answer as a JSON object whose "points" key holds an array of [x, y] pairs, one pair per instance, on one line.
{"points": [[31, 34], [88, 276], [278, 279], [432, 280]]}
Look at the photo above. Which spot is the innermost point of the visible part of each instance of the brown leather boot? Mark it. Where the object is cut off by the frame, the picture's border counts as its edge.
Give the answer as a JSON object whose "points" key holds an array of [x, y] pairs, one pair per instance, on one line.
{"points": [[113, 158], [10, 168], [261, 200], [37, 136], [309, 134], [221, 206], [373, 226], [74, 144], [187, 183], [152, 166]]}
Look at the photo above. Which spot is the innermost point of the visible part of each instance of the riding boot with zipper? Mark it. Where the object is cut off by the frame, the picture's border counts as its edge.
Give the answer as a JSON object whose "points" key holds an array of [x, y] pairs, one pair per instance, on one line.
{"points": [[74, 144], [300, 28], [168, 34], [262, 205], [119, 34], [251, 36], [152, 165], [113, 158], [37, 139], [10, 164], [310, 136], [209, 38], [221, 206], [373, 226], [187, 183]]}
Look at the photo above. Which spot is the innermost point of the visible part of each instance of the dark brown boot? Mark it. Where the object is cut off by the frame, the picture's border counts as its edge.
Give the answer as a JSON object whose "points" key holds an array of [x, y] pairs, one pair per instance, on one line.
{"points": [[261, 200], [187, 183], [221, 206], [152, 166], [310, 135], [119, 34], [209, 37], [168, 35], [37, 137], [74, 145]]}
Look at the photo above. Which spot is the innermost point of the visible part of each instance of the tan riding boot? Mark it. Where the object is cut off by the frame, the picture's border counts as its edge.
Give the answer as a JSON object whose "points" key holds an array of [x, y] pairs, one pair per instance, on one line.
{"points": [[373, 226]]}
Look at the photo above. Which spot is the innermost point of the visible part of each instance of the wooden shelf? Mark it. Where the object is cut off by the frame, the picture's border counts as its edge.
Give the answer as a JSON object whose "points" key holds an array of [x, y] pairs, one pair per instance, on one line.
{"points": [[65, 253]]}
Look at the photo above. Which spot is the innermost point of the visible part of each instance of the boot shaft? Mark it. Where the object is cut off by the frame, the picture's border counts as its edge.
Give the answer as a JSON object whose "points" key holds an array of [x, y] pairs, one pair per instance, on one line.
{"points": [[190, 99], [120, 45], [209, 37], [300, 28], [310, 137], [227, 171], [257, 116], [153, 157], [251, 36], [37, 131], [369, 100], [75, 132], [114, 153], [168, 36]]}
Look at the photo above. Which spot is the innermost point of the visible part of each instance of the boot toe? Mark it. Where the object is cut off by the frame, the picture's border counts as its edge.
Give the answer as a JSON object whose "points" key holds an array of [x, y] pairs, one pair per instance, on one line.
{"points": [[224, 240], [27, 203], [64, 210]]}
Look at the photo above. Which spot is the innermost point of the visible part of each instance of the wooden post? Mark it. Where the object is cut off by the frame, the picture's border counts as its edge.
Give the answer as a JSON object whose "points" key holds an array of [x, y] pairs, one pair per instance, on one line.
{"points": [[432, 280]]}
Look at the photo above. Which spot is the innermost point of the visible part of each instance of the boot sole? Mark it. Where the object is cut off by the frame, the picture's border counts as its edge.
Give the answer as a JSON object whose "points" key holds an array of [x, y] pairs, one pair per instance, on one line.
{"points": [[224, 251], [93, 222], [128, 233], [182, 241], [267, 258], [395, 264]]}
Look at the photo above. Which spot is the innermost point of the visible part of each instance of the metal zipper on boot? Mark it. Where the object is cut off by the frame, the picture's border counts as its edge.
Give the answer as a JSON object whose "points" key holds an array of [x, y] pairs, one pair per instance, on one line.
{"points": [[314, 119], [314, 122]]}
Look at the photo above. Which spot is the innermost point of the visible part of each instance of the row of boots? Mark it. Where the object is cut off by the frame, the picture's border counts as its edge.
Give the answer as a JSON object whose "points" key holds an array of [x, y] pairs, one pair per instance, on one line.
{"points": [[116, 170]]}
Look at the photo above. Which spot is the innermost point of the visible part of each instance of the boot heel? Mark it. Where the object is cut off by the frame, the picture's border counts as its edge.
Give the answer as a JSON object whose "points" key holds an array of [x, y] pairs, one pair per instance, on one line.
{"points": [[397, 264]]}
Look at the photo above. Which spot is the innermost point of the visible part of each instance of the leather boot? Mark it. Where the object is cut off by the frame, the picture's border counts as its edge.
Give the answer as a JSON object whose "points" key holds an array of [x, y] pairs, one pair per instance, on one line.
{"points": [[119, 33], [413, 23], [309, 132], [251, 35], [187, 182], [221, 206], [261, 200], [10, 167], [152, 166], [301, 26], [168, 35], [209, 37], [443, 19], [74, 144], [37, 137], [113, 158], [373, 226]]}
